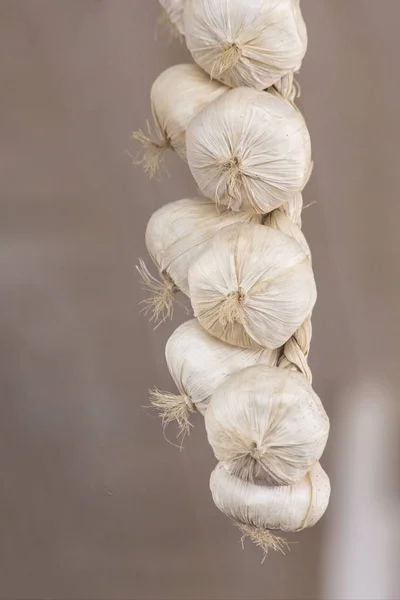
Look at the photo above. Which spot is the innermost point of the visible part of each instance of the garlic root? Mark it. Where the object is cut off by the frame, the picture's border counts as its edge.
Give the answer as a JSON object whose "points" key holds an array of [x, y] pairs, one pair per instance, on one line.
{"points": [[160, 302], [230, 55], [231, 309], [263, 538], [173, 407], [153, 151]]}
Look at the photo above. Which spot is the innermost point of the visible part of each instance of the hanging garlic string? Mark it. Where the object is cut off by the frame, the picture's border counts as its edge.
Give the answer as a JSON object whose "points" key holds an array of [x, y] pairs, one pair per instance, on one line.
{"points": [[243, 363]]}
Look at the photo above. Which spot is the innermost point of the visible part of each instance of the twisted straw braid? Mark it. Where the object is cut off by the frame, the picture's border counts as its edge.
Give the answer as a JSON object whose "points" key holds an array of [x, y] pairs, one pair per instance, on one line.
{"points": [[296, 350]]}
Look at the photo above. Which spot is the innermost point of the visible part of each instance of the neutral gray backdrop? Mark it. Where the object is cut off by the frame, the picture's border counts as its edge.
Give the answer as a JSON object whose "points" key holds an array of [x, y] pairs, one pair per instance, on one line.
{"points": [[94, 504]]}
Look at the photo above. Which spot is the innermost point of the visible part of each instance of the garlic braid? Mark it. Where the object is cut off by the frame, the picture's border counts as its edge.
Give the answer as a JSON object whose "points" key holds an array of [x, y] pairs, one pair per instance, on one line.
{"points": [[288, 87], [296, 350], [242, 362]]}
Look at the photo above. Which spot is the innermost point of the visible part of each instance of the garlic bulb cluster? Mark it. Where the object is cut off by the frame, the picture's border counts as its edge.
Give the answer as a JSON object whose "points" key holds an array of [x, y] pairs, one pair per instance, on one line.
{"points": [[239, 255], [198, 364], [250, 43], [249, 150], [259, 509], [174, 10], [176, 236], [252, 286], [177, 95], [268, 423]]}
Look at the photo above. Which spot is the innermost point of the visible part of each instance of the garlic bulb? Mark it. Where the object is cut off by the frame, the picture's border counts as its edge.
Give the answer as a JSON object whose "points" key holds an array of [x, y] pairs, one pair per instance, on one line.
{"points": [[268, 423], [176, 235], [249, 150], [177, 95], [198, 364], [174, 10], [257, 509], [246, 42], [252, 286]]}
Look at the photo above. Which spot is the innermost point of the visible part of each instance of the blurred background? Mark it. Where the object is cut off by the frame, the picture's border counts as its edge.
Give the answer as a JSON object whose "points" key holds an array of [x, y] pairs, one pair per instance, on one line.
{"points": [[94, 504]]}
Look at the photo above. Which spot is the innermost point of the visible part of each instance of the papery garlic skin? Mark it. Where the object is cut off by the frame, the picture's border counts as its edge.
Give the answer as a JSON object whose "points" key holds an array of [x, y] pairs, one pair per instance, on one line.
{"points": [[288, 508], [252, 286], [178, 232], [174, 10], [249, 150], [199, 363], [177, 95], [268, 423], [250, 43]]}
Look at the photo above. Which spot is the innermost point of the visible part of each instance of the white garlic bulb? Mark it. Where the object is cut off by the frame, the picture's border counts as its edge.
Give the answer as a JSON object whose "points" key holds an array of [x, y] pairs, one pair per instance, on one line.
{"points": [[177, 95], [249, 150], [258, 509], [252, 286], [246, 42], [198, 364], [176, 235], [174, 10], [268, 423]]}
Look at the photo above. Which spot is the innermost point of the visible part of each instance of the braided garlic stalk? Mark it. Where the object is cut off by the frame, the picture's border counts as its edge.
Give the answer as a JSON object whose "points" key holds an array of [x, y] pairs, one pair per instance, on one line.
{"points": [[239, 255]]}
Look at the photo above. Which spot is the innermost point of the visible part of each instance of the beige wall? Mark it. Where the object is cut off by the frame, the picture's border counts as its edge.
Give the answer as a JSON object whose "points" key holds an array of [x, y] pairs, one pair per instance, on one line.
{"points": [[93, 502]]}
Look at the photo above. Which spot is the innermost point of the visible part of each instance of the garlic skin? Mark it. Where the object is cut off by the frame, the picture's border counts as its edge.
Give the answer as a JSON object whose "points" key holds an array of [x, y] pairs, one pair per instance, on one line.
{"points": [[177, 95], [178, 233], [249, 150], [268, 423], [252, 286], [288, 508], [250, 43], [199, 363], [174, 10]]}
